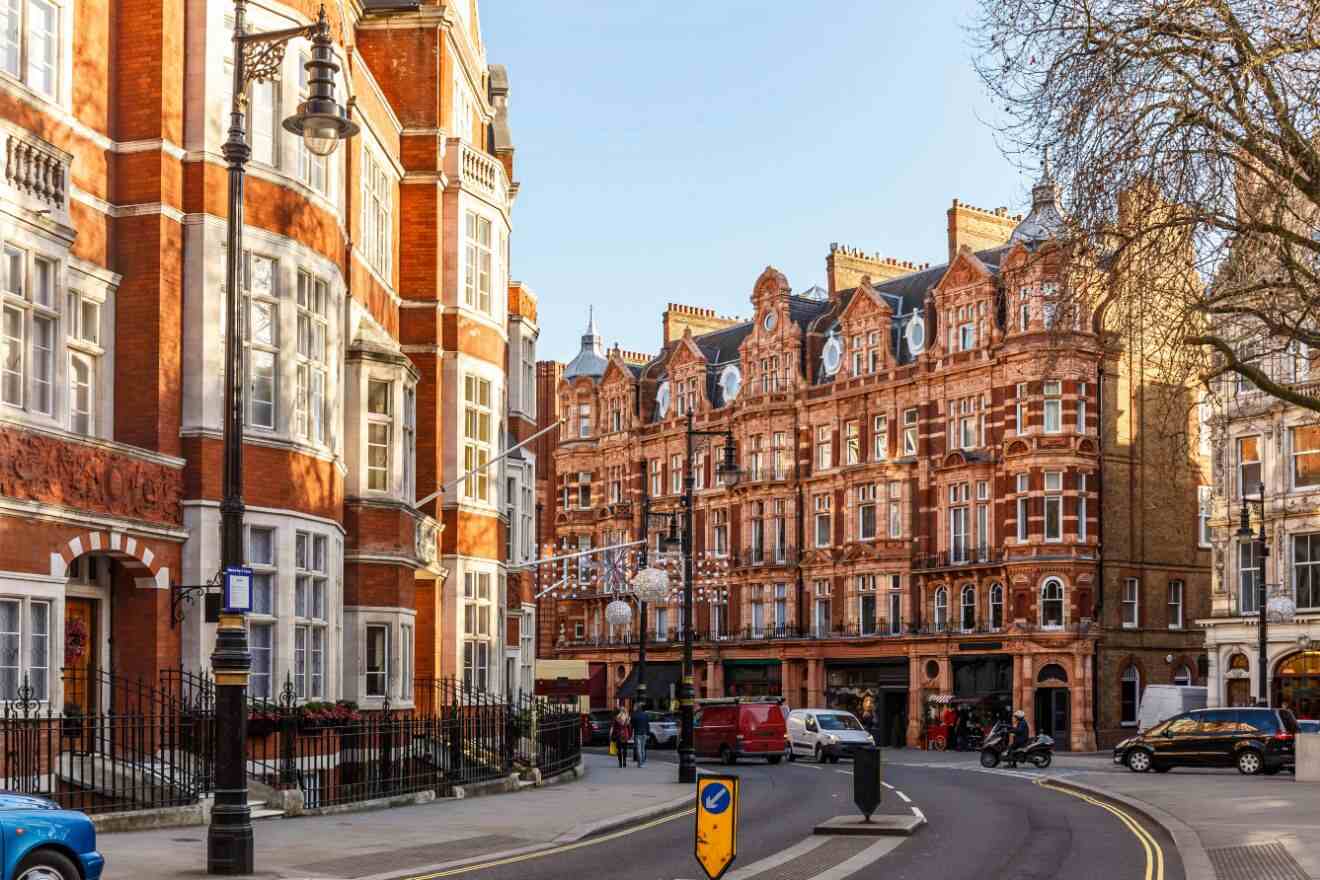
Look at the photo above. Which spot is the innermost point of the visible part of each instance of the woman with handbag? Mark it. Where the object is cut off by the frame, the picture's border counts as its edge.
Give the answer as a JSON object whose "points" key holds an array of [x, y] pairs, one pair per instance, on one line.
{"points": [[620, 735]]}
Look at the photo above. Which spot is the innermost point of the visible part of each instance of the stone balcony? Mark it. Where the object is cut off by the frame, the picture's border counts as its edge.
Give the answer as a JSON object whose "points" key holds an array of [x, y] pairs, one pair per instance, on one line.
{"points": [[35, 174], [477, 172]]}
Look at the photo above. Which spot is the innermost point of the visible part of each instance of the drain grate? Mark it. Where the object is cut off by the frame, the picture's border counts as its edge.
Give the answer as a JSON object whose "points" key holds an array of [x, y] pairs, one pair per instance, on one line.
{"points": [[1260, 861], [386, 860], [818, 860]]}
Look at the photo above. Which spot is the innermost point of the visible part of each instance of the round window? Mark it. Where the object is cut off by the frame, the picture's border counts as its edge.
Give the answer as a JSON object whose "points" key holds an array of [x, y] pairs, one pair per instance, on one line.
{"points": [[769, 321], [731, 382], [932, 669], [916, 335], [832, 356], [662, 400]]}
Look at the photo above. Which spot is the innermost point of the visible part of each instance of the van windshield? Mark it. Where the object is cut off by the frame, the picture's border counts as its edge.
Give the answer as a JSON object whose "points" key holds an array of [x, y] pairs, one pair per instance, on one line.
{"points": [[838, 722]]}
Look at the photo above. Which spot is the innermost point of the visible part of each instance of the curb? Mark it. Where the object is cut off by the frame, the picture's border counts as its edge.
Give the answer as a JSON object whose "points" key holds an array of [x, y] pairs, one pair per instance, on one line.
{"points": [[1196, 862], [615, 823]]}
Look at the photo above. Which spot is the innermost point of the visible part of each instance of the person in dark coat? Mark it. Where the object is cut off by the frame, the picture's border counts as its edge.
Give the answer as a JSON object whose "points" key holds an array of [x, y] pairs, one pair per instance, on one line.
{"points": [[641, 728], [1021, 733], [620, 733]]}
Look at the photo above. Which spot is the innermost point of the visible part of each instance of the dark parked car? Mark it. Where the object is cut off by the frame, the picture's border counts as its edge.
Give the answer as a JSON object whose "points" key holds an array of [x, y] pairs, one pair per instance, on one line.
{"points": [[596, 731], [1255, 740]]}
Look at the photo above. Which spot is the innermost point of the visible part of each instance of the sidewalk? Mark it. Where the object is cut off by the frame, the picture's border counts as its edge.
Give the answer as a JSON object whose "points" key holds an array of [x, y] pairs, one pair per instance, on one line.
{"points": [[391, 842], [1244, 827]]}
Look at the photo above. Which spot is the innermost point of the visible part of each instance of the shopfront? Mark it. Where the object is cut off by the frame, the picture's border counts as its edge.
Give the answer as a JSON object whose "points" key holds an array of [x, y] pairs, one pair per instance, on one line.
{"points": [[1297, 684], [876, 691], [985, 683], [753, 678]]}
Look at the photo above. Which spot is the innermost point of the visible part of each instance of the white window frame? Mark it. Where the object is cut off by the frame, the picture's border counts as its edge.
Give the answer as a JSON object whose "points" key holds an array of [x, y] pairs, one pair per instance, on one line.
{"points": [[824, 448], [852, 442], [1053, 418], [1311, 455], [1081, 408], [1204, 506], [266, 348], [1130, 604], [1062, 601], [479, 433], [311, 358], [377, 214], [311, 615], [1082, 512], [1176, 595], [866, 500], [479, 274], [382, 675], [880, 438], [1053, 501], [24, 64], [823, 515], [942, 609], [1242, 464], [676, 474], [379, 474], [964, 606], [911, 441]]}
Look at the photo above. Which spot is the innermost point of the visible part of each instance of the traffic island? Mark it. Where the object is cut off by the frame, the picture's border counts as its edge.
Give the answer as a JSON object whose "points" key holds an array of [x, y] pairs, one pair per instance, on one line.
{"points": [[876, 826]]}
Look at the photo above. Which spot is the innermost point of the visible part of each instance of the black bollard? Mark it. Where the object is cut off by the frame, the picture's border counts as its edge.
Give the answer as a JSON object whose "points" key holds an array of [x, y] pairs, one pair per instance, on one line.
{"points": [[866, 779]]}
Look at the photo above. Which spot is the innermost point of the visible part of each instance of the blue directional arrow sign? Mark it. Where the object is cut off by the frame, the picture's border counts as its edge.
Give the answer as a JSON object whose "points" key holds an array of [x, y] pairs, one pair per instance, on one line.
{"points": [[717, 823]]}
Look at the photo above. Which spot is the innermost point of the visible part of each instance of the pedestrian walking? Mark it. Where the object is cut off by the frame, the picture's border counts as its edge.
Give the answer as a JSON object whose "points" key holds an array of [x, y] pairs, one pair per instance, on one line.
{"points": [[620, 733], [641, 730]]}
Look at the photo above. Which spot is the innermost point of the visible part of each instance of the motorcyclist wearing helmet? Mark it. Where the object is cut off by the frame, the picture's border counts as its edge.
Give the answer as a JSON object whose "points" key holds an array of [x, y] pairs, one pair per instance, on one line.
{"points": [[1021, 733]]}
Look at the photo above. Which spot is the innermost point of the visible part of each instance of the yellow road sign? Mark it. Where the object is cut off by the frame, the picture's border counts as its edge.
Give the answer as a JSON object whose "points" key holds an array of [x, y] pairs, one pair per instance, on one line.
{"points": [[717, 823]]}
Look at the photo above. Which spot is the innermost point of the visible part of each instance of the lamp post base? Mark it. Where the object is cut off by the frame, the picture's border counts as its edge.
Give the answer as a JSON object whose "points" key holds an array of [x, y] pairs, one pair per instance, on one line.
{"points": [[229, 849], [687, 767]]}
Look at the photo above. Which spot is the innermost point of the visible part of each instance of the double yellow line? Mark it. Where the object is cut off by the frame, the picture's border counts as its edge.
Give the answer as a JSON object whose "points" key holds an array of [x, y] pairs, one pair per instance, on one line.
{"points": [[1154, 853], [541, 853]]}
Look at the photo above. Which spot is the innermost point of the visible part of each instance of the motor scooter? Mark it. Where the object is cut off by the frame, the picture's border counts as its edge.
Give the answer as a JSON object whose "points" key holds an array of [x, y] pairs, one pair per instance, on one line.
{"points": [[1039, 750]]}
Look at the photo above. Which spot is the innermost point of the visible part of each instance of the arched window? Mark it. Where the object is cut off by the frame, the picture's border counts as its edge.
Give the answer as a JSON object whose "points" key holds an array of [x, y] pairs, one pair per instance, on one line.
{"points": [[1051, 604], [1129, 692], [997, 606], [1183, 676], [941, 609], [968, 608]]}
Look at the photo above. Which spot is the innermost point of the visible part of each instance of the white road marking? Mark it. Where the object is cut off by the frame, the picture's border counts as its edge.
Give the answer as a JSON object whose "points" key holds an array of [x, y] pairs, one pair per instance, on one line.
{"points": [[916, 811], [871, 854], [906, 799], [770, 862], [844, 772], [888, 786]]}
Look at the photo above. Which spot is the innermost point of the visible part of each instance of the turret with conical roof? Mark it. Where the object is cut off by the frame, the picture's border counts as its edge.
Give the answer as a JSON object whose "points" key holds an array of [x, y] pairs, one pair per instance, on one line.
{"points": [[590, 360], [1045, 220]]}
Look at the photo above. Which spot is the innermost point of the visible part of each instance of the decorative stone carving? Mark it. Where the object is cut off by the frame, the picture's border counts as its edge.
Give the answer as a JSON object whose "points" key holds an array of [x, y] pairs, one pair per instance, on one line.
{"points": [[34, 467], [425, 539]]}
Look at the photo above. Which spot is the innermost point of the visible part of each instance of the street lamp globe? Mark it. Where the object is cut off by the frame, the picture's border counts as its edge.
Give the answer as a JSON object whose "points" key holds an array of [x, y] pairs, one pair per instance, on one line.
{"points": [[651, 584], [728, 468], [321, 121], [618, 613]]}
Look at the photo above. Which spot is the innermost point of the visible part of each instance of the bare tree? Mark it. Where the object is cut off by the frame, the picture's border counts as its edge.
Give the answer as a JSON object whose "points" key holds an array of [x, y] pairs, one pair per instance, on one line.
{"points": [[1185, 135]]}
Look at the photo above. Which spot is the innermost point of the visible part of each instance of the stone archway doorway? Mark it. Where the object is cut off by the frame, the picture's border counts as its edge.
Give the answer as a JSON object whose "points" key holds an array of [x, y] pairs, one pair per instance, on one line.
{"points": [[1053, 705]]}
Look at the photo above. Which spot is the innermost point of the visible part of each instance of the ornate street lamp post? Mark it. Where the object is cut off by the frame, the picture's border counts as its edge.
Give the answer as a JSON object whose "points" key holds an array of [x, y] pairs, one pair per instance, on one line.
{"points": [[729, 474], [1245, 535], [322, 123]]}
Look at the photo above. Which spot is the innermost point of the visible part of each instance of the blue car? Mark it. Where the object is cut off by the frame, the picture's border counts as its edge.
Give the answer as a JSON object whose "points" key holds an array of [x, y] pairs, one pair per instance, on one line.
{"points": [[42, 841]]}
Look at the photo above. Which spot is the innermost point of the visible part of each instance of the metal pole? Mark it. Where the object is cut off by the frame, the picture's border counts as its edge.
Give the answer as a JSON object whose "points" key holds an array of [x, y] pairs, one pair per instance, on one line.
{"points": [[229, 845], [641, 605], [1262, 673], [687, 764]]}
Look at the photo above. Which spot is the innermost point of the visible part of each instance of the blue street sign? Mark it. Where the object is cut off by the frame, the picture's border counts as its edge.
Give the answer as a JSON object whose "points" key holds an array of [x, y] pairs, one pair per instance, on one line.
{"points": [[715, 798], [238, 590]]}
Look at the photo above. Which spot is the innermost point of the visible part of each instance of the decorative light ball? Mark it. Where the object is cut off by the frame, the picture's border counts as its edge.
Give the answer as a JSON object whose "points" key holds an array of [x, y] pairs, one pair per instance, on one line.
{"points": [[618, 613], [651, 584]]}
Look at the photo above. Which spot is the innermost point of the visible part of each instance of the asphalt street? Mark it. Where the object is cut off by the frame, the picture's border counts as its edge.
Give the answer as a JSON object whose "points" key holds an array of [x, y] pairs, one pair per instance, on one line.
{"points": [[981, 825]]}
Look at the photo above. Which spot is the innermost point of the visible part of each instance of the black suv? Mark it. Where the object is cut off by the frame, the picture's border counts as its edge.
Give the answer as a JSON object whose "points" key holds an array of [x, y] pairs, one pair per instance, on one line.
{"points": [[1256, 740]]}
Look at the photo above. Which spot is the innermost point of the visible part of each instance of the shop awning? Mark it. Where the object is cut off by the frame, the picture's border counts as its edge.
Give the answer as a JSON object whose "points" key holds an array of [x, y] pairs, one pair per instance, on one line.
{"points": [[659, 678]]}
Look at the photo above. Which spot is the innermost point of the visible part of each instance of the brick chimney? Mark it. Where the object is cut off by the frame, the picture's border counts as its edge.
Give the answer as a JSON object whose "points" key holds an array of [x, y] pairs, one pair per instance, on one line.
{"points": [[979, 228], [845, 266], [678, 318]]}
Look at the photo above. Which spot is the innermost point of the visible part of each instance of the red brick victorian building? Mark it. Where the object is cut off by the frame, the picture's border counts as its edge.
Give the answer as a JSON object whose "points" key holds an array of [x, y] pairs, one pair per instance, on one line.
{"points": [[946, 489]]}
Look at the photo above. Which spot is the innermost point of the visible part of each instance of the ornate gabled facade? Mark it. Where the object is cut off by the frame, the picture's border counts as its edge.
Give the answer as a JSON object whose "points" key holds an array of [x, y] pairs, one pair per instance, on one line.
{"points": [[924, 509]]}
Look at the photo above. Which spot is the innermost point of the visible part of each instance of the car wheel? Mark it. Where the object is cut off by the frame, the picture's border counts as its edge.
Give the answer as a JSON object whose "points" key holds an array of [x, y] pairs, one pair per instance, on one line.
{"points": [[727, 755], [1138, 761], [989, 759], [773, 759], [46, 864], [1248, 762]]}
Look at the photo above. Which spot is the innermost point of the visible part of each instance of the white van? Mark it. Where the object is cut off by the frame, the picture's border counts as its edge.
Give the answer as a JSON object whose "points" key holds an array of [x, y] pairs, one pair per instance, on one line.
{"points": [[825, 734], [1159, 702]]}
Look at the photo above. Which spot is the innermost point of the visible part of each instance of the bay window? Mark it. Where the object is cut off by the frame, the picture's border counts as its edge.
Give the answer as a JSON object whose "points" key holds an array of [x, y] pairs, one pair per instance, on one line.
{"points": [[1053, 407], [24, 621], [1053, 506], [311, 573], [1020, 410], [261, 643], [309, 410], [377, 666], [1051, 604], [477, 277], [264, 126], [1022, 487], [314, 170], [377, 232], [477, 434], [380, 429], [261, 337]]}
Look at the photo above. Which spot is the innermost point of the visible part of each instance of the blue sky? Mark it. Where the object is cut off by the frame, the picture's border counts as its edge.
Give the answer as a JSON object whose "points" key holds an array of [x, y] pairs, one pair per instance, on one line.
{"points": [[670, 151]]}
